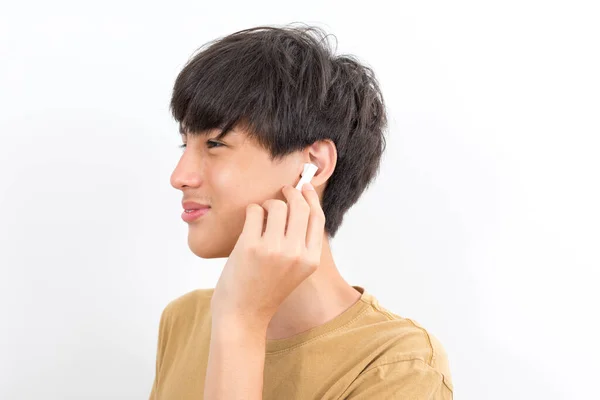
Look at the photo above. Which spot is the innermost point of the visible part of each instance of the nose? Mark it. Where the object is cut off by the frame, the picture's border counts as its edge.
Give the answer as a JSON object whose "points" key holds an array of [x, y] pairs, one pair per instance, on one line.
{"points": [[188, 171]]}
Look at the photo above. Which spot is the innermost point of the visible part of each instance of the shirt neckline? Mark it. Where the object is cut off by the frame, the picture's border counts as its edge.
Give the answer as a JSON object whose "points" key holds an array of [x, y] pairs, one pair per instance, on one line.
{"points": [[278, 345]]}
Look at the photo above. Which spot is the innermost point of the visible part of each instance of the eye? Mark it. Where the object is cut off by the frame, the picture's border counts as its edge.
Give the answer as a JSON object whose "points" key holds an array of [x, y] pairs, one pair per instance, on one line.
{"points": [[209, 143], [212, 143]]}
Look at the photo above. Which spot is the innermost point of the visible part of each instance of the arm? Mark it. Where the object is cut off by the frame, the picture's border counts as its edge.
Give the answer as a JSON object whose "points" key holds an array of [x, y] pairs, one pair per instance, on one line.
{"points": [[261, 271], [160, 350], [236, 361]]}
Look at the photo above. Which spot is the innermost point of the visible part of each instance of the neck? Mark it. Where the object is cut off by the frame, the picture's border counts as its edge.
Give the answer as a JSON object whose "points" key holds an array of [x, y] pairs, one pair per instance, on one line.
{"points": [[318, 299]]}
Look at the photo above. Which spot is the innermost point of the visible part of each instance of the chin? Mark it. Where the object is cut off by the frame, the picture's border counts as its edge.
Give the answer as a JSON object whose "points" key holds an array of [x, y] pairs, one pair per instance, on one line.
{"points": [[203, 249], [214, 240], [207, 248]]}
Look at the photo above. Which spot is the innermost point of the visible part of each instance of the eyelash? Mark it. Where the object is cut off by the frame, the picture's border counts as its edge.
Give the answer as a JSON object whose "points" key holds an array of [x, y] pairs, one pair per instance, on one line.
{"points": [[208, 143]]}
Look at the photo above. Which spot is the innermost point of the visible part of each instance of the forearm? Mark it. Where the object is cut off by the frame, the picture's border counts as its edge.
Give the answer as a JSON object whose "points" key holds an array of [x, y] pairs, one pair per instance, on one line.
{"points": [[235, 362]]}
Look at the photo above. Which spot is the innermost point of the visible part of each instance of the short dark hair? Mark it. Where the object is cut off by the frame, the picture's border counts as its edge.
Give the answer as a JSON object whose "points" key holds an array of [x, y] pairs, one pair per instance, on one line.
{"points": [[289, 90]]}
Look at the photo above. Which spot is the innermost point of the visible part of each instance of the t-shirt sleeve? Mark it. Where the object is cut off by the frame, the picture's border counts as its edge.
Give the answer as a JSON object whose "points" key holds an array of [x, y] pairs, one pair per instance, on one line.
{"points": [[407, 380], [160, 350]]}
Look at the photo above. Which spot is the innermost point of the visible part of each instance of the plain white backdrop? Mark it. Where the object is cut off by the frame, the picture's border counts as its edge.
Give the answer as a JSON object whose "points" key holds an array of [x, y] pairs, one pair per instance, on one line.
{"points": [[483, 224]]}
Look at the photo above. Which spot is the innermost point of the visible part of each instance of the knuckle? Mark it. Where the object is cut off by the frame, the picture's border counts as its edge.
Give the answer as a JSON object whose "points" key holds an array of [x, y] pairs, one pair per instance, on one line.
{"points": [[318, 217], [287, 253], [294, 257], [312, 265], [303, 206], [313, 261], [269, 252], [252, 249]]}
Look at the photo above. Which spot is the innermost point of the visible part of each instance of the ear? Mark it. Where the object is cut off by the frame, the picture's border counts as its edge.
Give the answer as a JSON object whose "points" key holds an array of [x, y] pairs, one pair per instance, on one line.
{"points": [[324, 155]]}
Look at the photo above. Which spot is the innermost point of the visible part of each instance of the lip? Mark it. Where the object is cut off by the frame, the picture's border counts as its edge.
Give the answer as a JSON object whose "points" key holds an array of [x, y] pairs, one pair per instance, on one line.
{"points": [[194, 215], [190, 205]]}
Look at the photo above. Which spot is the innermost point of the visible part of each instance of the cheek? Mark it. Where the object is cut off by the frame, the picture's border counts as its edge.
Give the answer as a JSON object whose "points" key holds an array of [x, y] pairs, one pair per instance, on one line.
{"points": [[237, 186], [233, 187], [223, 179]]}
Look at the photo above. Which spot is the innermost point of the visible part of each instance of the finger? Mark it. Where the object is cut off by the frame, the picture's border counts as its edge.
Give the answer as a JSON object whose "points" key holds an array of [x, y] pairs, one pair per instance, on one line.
{"points": [[277, 212], [299, 211], [253, 225], [316, 222]]}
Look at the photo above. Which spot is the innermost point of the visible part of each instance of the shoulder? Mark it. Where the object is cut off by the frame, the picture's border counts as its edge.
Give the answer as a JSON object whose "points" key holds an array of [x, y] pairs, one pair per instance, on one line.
{"points": [[188, 307], [407, 342], [432, 353]]}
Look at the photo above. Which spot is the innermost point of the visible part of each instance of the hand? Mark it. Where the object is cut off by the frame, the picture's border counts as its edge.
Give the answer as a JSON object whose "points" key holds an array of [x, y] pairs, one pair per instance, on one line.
{"points": [[264, 268]]}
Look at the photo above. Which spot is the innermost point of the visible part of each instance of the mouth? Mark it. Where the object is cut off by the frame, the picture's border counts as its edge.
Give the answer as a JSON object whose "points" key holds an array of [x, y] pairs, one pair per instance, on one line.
{"points": [[192, 215]]}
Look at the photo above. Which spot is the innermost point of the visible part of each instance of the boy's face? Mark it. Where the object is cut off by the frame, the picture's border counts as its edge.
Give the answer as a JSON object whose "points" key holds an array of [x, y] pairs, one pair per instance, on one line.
{"points": [[228, 176]]}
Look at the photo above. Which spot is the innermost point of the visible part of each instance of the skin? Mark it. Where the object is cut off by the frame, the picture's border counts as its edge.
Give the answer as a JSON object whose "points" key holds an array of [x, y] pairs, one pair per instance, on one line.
{"points": [[279, 257]]}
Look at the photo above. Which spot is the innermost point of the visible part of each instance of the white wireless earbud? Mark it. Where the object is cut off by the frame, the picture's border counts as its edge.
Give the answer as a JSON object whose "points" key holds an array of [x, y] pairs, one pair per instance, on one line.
{"points": [[309, 171]]}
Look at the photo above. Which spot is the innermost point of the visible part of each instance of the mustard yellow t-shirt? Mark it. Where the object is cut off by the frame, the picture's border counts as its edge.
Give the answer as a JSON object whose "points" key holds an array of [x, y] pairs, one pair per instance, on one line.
{"points": [[366, 352]]}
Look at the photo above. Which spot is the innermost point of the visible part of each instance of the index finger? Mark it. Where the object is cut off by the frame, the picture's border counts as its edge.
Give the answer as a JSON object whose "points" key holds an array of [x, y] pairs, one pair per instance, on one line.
{"points": [[316, 221], [254, 223]]}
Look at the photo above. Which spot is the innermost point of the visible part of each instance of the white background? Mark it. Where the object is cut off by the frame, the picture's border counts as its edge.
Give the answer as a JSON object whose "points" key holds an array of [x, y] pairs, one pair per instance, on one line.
{"points": [[483, 224]]}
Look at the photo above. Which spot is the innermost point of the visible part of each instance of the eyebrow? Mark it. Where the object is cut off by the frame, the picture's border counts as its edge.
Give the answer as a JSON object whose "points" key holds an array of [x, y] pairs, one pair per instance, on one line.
{"points": [[220, 136]]}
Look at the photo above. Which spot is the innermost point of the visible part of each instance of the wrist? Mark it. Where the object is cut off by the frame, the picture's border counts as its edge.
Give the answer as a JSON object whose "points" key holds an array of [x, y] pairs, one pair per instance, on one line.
{"points": [[233, 326]]}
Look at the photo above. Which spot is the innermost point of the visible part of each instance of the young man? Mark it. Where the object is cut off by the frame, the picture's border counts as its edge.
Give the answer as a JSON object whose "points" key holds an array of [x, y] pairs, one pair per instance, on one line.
{"points": [[282, 323]]}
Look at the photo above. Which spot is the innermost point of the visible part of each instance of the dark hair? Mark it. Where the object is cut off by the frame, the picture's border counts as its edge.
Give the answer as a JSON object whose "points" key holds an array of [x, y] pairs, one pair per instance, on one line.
{"points": [[289, 90]]}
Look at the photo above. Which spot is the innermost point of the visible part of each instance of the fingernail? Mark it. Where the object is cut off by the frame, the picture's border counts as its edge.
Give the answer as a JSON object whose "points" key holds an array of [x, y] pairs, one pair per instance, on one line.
{"points": [[308, 186]]}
